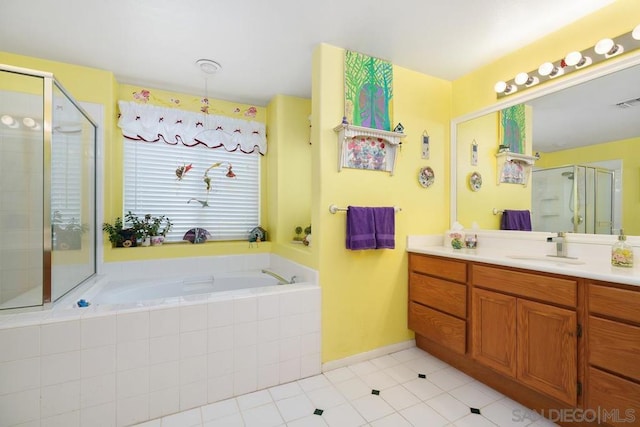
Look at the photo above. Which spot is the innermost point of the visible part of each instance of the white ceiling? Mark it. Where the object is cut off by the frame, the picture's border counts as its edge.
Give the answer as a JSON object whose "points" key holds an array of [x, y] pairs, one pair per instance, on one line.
{"points": [[265, 47]]}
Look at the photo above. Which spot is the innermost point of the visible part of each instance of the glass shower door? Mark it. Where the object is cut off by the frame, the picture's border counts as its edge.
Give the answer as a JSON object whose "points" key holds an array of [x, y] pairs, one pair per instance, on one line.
{"points": [[72, 195], [22, 251]]}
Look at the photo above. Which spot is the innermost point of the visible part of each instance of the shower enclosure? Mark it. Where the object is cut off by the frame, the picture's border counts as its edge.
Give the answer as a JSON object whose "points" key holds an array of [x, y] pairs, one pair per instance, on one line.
{"points": [[47, 190], [575, 198]]}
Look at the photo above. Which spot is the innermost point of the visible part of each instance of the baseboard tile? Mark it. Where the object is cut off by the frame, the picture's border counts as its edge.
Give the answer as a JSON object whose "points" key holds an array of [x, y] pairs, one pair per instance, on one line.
{"points": [[368, 355]]}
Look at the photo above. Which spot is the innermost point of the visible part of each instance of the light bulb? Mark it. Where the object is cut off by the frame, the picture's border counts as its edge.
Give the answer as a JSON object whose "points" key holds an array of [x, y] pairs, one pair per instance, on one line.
{"points": [[29, 122], [604, 46], [500, 87], [576, 59], [7, 120], [608, 48], [573, 58], [636, 33], [546, 69], [525, 79], [521, 78]]}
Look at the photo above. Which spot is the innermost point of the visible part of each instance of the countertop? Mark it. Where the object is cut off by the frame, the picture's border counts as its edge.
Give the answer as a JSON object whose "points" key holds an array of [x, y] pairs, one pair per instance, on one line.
{"points": [[590, 264]]}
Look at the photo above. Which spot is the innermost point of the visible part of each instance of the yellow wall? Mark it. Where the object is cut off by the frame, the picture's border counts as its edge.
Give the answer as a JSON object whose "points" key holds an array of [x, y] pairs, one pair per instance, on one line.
{"points": [[627, 151], [475, 90], [365, 292], [289, 175]]}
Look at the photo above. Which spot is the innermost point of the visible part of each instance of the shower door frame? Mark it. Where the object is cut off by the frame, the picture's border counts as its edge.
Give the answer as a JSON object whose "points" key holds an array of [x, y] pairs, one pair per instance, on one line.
{"points": [[49, 81]]}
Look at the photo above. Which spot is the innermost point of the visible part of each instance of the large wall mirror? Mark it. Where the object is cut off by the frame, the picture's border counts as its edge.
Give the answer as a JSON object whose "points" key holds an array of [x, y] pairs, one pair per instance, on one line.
{"points": [[586, 130]]}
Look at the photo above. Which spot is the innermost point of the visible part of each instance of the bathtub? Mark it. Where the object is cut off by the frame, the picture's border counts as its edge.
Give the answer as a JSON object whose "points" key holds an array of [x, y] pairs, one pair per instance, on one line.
{"points": [[143, 291], [145, 348]]}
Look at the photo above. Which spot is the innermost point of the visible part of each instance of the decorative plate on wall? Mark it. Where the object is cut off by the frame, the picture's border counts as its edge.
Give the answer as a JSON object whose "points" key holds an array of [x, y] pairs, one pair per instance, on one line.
{"points": [[475, 181], [426, 176]]}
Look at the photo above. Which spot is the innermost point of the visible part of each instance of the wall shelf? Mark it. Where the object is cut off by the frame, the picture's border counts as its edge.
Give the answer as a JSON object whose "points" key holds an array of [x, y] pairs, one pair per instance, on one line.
{"points": [[347, 132], [514, 168]]}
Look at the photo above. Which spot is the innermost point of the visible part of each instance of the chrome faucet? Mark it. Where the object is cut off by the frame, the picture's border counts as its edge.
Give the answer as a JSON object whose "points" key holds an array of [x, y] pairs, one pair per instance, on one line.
{"points": [[561, 245], [281, 279]]}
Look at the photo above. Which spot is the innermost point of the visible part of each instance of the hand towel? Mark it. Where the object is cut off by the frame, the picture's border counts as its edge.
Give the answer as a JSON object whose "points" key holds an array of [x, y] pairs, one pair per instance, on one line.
{"points": [[360, 228], [385, 229], [516, 220]]}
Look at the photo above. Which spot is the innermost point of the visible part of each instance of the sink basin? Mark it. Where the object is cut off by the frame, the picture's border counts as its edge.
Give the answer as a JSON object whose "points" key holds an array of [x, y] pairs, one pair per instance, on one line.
{"points": [[550, 259]]}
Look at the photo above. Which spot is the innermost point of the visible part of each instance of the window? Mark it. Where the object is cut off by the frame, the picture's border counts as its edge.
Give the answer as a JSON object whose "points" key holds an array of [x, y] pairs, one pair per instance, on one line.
{"points": [[228, 210], [227, 206]]}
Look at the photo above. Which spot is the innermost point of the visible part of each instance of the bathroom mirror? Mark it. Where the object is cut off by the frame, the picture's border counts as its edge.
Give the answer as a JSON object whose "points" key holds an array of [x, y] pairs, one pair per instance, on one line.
{"points": [[586, 129]]}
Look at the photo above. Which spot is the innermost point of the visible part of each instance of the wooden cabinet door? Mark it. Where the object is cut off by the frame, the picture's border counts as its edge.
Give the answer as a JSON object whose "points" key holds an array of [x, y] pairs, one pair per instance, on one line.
{"points": [[547, 349], [493, 339]]}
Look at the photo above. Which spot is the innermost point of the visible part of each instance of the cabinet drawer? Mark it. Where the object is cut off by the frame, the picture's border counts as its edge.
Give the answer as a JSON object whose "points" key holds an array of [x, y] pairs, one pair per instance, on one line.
{"points": [[445, 330], [614, 346], [621, 303], [440, 267], [544, 288], [617, 400], [440, 294]]}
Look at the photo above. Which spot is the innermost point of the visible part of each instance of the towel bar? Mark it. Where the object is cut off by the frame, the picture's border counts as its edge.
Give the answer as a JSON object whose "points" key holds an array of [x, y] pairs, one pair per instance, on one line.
{"points": [[333, 209], [497, 211]]}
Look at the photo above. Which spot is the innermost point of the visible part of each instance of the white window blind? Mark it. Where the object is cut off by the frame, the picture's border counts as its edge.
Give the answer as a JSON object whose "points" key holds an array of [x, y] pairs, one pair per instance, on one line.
{"points": [[228, 211], [66, 178]]}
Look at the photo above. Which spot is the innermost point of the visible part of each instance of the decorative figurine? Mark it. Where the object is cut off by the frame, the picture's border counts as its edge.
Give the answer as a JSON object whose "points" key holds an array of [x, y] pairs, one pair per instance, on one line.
{"points": [[182, 170], [399, 128]]}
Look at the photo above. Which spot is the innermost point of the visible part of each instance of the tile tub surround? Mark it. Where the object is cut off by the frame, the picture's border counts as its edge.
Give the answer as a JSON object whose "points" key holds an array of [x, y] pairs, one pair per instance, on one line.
{"points": [[119, 365], [496, 247]]}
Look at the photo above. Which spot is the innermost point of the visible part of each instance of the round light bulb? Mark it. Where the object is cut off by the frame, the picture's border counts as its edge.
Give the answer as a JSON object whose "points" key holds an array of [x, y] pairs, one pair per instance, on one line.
{"points": [[546, 69], [7, 120], [29, 122], [604, 46], [573, 58], [500, 87], [636, 33], [522, 78]]}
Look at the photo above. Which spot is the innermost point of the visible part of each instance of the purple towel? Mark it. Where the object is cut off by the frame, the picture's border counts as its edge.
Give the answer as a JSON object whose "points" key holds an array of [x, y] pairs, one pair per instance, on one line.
{"points": [[360, 228], [516, 220], [384, 219]]}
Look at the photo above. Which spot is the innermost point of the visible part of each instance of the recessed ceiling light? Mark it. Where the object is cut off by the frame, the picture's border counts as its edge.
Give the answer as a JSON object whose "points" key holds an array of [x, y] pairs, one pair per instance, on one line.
{"points": [[208, 66]]}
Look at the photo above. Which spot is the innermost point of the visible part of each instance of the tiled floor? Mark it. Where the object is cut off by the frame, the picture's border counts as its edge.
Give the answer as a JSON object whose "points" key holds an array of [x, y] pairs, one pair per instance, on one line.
{"points": [[407, 388]]}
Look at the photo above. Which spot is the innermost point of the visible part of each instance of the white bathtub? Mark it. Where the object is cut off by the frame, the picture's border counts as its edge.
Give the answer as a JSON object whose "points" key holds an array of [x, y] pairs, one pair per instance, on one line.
{"points": [[149, 348], [141, 291]]}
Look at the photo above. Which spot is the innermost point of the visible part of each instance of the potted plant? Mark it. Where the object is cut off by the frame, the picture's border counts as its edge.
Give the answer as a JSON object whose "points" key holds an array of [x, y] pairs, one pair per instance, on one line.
{"points": [[307, 236], [150, 229], [158, 227], [139, 228], [118, 235]]}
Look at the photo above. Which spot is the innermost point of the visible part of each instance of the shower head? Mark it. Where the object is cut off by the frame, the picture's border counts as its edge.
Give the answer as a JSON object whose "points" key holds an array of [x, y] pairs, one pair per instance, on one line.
{"points": [[569, 175]]}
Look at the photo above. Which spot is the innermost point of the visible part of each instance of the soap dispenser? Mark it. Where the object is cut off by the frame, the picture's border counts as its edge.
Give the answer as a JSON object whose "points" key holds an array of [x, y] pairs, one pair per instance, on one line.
{"points": [[622, 252]]}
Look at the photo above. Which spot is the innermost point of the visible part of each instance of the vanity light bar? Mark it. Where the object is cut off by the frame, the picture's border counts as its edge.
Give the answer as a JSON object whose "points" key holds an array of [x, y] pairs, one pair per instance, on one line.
{"points": [[602, 51]]}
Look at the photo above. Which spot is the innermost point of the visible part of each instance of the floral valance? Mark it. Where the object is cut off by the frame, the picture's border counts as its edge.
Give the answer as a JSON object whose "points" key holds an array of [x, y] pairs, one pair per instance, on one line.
{"points": [[152, 123]]}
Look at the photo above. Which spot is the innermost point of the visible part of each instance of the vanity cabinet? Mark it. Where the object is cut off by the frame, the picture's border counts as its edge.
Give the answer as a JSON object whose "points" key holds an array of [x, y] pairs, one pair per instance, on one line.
{"points": [[613, 352], [524, 325], [520, 331], [438, 300]]}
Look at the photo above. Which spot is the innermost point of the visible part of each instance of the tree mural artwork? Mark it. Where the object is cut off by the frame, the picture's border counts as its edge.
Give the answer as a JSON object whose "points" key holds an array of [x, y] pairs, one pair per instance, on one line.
{"points": [[368, 91]]}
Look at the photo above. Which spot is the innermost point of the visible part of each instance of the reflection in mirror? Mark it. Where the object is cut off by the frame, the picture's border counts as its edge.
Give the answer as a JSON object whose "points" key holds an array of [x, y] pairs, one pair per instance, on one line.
{"points": [[587, 178]]}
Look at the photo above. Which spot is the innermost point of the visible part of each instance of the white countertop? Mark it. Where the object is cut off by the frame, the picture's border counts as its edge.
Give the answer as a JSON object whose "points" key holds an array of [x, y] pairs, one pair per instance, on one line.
{"points": [[592, 260]]}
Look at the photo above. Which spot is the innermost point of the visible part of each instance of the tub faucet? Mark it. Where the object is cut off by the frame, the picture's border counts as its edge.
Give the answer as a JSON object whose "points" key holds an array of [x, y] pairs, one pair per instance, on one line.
{"points": [[281, 279], [561, 245]]}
